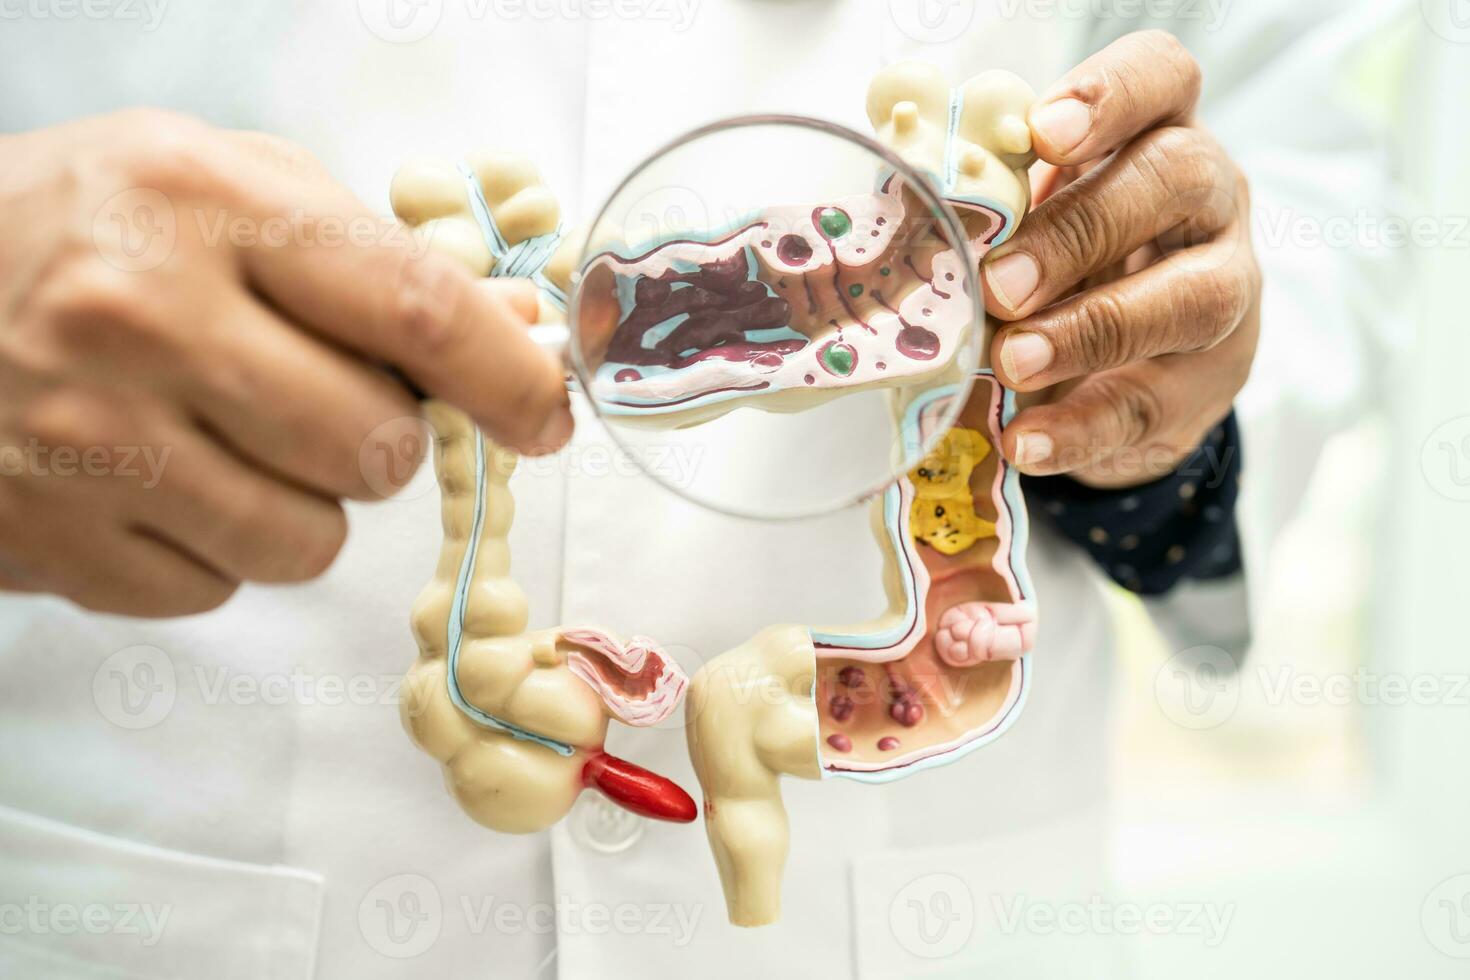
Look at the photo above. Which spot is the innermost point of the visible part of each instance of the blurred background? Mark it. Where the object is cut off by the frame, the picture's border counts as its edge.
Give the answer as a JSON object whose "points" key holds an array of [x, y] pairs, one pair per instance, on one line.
{"points": [[1320, 795]]}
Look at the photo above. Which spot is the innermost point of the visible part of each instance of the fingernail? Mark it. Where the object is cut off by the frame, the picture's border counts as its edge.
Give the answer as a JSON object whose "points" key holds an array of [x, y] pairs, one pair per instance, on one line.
{"points": [[1013, 278], [1025, 354], [1063, 124], [554, 434], [1033, 447]]}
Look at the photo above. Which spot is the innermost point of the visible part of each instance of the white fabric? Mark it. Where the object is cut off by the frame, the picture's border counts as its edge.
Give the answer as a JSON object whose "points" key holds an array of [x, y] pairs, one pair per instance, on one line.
{"points": [[326, 782]]}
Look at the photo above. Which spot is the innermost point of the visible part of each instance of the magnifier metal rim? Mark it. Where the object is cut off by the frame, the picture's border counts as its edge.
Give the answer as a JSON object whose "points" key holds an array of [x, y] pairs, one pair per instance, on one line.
{"points": [[925, 189]]}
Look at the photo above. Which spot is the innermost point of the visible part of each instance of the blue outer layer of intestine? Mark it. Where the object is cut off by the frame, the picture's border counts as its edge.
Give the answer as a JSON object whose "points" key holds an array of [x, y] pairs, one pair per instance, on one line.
{"points": [[893, 522], [892, 516], [528, 260]]}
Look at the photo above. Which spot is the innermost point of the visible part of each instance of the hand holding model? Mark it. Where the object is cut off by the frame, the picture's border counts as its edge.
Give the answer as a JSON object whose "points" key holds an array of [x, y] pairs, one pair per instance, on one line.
{"points": [[1132, 293]]}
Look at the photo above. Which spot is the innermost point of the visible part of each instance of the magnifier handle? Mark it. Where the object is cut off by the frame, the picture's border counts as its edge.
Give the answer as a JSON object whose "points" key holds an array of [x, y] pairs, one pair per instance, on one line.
{"points": [[554, 338]]}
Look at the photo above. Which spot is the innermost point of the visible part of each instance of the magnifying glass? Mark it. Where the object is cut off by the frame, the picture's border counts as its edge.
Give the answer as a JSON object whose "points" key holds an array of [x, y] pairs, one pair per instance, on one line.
{"points": [[763, 308]]}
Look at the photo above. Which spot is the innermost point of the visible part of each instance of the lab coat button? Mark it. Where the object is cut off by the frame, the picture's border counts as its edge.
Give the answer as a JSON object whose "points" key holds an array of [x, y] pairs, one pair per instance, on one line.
{"points": [[600, 825]]}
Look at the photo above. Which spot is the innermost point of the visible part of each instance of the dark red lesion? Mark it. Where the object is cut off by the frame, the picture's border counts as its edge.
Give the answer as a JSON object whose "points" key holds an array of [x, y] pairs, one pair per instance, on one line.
{"points": [[726, 298], [722, 303], [635, 687], [899, 706]]}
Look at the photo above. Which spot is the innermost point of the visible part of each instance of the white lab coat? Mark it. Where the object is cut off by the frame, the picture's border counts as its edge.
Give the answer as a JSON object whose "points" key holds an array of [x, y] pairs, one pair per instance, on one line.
{"points": [[240, 780]]}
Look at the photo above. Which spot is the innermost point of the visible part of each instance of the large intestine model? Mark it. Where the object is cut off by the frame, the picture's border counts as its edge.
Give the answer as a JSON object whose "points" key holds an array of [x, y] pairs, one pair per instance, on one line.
{"points": [[518, 719]]}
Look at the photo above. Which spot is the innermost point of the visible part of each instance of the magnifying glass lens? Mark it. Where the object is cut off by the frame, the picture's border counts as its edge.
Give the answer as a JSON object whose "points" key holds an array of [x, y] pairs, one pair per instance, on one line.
{"points": [[764, 307]]}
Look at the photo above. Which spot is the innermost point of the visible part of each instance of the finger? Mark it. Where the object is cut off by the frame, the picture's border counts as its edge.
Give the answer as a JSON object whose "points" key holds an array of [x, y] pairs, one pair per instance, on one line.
{"points": [[288, 402], [134, 574], [11, 583], [235, 519], [394, 300], [280, 155], [14, 577], [1141, 81], [1189, 301], [1131, 424], [521, 294], [1164, 178], [76, 544], [127, 572]]}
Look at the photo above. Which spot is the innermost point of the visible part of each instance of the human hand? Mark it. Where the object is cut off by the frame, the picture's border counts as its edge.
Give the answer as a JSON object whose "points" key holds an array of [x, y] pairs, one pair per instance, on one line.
{"points": [[1132, 293], [194, 328]]}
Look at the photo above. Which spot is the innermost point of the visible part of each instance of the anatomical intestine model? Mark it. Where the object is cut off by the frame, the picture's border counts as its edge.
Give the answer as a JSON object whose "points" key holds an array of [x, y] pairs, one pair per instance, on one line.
{"points": [[518, 719]]}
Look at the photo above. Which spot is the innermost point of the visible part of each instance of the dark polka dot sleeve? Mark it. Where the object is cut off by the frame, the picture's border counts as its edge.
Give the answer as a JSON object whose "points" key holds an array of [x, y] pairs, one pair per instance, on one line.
{"points": [[1149, 538]]}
